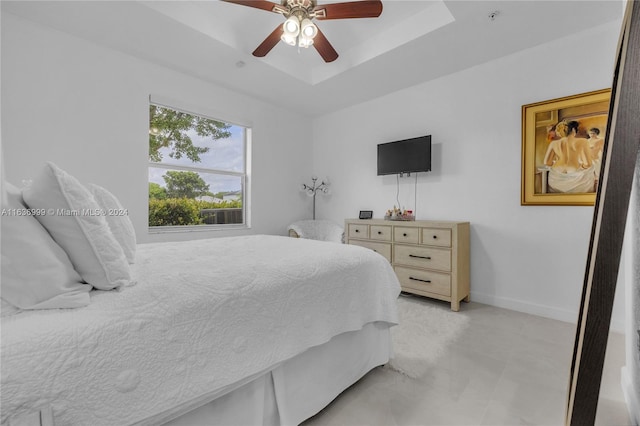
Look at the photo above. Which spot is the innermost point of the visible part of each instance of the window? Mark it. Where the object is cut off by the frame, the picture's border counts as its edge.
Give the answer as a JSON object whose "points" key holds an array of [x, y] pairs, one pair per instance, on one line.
{"points": [[197, 171]]}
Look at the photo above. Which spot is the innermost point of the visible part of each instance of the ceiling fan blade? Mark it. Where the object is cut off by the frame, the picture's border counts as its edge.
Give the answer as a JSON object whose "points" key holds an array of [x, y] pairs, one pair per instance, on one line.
{"points": [[324, 48], [269, 42], [348, 10], [259, 4]]}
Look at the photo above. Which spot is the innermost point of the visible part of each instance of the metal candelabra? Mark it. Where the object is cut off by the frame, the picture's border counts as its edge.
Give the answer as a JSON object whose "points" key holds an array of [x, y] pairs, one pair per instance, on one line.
{"points": [[314, 188]]}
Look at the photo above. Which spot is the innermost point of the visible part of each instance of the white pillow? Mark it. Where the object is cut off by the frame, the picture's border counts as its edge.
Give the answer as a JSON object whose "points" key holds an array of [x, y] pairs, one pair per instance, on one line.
{"points": [[75, 221], [118, 221], [36, 272]]}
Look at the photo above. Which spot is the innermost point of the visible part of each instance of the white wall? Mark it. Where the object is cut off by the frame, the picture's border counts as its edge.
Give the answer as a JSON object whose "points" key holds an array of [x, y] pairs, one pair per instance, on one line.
{"points": [[528, 258], [86, 108]]}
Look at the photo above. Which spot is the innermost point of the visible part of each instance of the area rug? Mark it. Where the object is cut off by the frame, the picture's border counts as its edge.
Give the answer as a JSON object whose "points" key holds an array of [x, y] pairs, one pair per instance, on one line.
{"points": [[423, 334]]}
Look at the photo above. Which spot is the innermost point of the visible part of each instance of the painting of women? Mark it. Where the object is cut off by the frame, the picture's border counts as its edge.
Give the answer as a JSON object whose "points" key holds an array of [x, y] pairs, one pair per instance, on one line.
{"points": [[570, 162], [563, 141]]}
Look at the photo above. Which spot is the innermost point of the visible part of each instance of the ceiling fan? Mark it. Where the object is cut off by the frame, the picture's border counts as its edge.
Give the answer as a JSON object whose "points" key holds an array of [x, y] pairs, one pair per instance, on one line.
{"points": [[299, 30]]}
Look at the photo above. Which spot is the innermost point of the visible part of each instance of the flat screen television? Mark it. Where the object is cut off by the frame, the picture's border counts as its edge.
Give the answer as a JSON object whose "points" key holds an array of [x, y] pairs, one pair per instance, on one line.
{"points": [[405, 156]]}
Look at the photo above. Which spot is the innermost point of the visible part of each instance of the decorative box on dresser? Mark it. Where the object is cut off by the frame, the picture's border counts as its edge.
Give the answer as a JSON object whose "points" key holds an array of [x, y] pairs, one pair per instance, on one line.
{"points": [[430, 258]]}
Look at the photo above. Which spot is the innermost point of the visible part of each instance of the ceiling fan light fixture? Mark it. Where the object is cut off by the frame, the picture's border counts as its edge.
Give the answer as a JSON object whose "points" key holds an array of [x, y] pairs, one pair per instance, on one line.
{"points": [[305, 41], [291, 26], [289, 39], [298, 28], [308, 29]]}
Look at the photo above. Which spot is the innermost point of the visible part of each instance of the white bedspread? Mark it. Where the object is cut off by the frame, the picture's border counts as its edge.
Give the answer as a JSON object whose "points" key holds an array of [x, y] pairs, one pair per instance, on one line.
{"points": [[203, 315]]}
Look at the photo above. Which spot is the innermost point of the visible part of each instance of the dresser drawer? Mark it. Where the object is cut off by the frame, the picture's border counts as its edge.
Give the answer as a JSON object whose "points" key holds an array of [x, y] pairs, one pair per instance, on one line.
{"points": [[402, 234], [430, 258], [419, 279], [383, 248], [422, 257], [358, 230], [380, 233], [436, 237]]}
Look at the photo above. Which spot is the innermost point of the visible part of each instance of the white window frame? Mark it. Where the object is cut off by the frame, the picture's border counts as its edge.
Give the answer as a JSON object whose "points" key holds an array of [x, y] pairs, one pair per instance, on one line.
{"points": [[244, 178]]}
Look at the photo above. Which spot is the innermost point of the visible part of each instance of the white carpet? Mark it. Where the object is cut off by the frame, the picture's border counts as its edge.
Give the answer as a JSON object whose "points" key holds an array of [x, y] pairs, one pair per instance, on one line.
{"points": [[423, 334]]}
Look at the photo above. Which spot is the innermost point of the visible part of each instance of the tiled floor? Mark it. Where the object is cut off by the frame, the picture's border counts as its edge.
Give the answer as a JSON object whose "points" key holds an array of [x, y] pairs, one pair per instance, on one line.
{"points": [[507, 368]]}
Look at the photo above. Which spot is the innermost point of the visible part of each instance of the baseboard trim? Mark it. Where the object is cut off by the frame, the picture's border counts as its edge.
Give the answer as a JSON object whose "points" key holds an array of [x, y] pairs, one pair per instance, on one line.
{"points": [[539, 310]]}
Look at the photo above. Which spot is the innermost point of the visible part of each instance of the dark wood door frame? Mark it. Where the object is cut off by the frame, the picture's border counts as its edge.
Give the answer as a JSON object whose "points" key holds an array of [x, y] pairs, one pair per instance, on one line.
{"points": [[622, 144]]}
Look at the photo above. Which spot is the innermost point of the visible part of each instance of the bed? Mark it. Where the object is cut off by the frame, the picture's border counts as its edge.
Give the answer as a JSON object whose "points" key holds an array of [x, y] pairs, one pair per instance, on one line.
{"points": [[274, 324], [98, 330]]}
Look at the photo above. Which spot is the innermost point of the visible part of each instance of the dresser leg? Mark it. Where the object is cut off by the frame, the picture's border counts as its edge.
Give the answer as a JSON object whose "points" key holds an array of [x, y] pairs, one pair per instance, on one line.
{"points": [[467, 299], [455, 305]]}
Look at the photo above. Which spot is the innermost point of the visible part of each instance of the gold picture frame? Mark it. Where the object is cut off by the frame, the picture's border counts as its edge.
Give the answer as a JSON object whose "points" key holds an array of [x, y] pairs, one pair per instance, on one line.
{"points": [[562, 142]]}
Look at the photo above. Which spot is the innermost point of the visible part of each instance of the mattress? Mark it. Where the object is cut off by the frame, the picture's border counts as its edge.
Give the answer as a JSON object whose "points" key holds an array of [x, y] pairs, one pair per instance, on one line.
{"points": [[203, 315]]}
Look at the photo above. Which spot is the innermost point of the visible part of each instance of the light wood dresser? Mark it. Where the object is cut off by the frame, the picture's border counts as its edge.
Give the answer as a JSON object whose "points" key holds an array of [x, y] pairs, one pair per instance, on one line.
{"points": [[430, 258]]}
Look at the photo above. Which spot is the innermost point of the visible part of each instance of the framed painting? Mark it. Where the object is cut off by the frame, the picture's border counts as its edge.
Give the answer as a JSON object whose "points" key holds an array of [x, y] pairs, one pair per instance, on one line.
{"points": [[562, 146]]}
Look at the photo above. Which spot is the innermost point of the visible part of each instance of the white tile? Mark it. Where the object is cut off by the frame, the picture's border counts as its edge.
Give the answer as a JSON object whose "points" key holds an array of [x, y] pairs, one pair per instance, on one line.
{"points": [[507, 368]]}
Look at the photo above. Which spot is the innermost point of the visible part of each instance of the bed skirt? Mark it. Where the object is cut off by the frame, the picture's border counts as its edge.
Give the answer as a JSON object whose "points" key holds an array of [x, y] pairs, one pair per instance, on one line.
{"points": [[292, 391]]}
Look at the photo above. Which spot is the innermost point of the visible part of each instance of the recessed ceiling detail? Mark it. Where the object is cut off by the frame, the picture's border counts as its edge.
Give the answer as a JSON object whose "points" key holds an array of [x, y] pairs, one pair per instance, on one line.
{"points": [[357, 40], [412, 42]]}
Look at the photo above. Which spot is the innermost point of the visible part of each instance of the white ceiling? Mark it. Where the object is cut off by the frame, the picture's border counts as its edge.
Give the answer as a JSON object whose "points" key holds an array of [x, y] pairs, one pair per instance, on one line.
{"points": [[411, 42]]}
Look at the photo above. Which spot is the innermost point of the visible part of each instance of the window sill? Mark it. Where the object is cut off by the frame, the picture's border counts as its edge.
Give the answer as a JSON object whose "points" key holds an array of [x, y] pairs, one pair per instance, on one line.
{"points": [[196, 228]]}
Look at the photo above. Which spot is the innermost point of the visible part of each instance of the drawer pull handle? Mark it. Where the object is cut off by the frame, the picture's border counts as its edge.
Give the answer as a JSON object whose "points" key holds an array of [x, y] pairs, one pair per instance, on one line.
{"points": [[357, 230], [418, 279], [379, 232], [404, 235], [435, 237], [420, 257]]}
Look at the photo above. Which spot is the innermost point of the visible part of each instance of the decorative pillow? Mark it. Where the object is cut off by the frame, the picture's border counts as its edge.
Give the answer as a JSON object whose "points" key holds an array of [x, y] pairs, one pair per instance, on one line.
{"points": [[36, 272], [118, 220], [76, 222]]}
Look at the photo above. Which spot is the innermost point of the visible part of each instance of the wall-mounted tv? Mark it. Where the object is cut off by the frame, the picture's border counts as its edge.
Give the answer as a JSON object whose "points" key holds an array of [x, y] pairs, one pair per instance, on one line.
{"points": [[405, 156]]}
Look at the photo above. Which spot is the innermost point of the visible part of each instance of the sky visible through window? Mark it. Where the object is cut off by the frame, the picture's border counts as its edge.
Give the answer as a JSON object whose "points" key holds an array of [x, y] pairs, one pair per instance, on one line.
{"points": [[224, 154]]}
